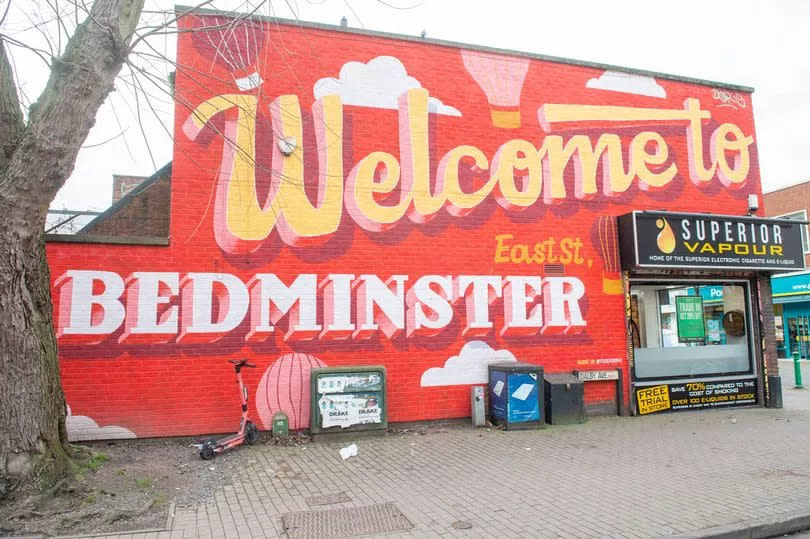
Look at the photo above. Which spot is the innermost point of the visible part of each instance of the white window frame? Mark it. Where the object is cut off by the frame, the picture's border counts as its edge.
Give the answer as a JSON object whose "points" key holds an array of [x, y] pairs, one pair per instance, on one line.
{"points": [[805, 237]]}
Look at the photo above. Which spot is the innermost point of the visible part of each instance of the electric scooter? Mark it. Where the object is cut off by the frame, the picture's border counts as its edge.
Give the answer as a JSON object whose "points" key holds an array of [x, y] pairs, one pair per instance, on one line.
{"points": [[248, 433]]}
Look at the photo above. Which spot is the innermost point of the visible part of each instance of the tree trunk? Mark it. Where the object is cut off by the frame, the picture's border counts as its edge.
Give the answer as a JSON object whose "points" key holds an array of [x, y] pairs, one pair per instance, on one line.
{"points": [[35, 160], [32, 404]]}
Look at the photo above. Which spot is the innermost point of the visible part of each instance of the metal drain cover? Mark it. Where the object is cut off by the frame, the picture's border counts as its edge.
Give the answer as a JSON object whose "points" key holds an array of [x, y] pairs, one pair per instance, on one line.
{"points": [[379, 518], [328, 499]]}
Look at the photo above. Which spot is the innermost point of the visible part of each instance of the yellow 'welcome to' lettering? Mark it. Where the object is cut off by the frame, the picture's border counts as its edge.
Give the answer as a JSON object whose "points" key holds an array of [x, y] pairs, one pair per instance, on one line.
{"points": [[519, 175]]}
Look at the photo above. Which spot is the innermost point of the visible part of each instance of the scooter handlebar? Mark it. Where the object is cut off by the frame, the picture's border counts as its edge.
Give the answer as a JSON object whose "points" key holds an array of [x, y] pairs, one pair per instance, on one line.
{"points": [[241, 363]]}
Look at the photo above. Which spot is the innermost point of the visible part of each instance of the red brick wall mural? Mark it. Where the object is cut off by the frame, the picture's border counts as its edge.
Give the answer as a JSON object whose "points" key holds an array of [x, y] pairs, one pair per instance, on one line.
{"points": [[343, 199]]}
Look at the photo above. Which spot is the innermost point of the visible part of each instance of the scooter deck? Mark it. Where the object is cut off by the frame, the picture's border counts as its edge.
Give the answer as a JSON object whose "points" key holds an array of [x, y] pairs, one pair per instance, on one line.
{"points": [[229, 439]]}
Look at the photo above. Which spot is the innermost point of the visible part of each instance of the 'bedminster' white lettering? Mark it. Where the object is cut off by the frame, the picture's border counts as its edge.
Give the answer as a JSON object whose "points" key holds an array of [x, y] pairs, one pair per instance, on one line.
{"points": [[202, 307]]}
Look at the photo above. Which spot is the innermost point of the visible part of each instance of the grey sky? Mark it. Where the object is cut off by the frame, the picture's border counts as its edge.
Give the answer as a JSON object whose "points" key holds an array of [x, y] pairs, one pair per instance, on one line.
{"points": [[758, 44]]}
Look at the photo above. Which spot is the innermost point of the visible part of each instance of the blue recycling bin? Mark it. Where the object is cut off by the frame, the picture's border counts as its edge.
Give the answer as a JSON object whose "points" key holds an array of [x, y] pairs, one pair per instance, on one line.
{"points": [[516, 395]]}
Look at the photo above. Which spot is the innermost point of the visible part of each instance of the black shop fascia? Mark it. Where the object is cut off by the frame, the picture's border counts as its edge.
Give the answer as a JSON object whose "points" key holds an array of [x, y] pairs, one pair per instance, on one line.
{"points": [[697, 284]]}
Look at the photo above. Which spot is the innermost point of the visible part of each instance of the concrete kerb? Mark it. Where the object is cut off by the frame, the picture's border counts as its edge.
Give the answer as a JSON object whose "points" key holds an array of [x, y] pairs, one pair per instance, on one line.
{"points": [[757, 528], [170, 516], [166, 528], [111, 534]]}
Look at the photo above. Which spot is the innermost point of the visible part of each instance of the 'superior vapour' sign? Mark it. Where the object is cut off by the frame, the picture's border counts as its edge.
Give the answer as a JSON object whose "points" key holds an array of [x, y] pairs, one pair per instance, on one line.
{"points": [[666, 239]]}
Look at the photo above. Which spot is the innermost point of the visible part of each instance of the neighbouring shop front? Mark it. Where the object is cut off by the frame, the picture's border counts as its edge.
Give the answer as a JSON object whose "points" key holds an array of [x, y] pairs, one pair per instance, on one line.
{"points": [[791, 309], [694, 301]]}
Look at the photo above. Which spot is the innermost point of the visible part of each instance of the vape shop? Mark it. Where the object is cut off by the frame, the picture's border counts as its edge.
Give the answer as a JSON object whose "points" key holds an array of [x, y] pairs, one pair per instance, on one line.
{"points": [[791, 309], [693, 306]]}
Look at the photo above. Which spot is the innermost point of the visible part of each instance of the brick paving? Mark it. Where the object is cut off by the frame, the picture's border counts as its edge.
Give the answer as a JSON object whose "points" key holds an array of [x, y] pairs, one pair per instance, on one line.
{"points": [[611, 477]]}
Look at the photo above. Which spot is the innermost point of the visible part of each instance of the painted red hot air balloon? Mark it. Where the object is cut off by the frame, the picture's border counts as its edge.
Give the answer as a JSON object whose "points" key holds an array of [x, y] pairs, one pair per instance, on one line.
{"points": [[231, 43], [607, 238], [285, 386]]}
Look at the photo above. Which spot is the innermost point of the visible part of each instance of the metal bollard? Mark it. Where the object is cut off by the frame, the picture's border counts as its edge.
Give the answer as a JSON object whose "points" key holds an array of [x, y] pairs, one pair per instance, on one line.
{"points": [[479, 414], [797, 371]]}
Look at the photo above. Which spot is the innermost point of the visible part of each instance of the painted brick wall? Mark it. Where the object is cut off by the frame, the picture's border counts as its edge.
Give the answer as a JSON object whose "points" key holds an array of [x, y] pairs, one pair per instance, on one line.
{"points": [[407, 182], [123, 184]]}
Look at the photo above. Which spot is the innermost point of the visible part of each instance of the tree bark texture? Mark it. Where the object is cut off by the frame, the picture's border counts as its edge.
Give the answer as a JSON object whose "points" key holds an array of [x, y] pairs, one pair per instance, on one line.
{"points": [[32, 405], [35, 160]]}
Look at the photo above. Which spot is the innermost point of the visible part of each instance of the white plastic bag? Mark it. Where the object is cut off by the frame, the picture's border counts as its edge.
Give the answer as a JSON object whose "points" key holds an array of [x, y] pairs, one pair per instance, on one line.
{"points": [[348, 451]]}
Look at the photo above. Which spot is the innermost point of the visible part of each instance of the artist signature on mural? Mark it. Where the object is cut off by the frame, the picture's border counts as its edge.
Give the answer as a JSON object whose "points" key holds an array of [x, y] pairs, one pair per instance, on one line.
{"points": [[728, 99]]}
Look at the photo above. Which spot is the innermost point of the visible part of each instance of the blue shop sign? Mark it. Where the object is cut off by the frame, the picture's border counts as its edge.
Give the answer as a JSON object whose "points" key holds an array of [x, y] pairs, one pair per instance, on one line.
{"points": [[790, 285]]}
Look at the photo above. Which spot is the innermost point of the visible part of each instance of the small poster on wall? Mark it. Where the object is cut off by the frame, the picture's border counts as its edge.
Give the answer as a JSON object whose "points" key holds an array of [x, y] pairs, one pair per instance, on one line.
{"points": [[339, 383], [689, 313]]}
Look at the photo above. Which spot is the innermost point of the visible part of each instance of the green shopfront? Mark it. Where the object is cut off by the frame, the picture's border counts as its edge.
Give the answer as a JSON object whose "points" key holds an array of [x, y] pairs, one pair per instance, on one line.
{"points": [[791, 303]]}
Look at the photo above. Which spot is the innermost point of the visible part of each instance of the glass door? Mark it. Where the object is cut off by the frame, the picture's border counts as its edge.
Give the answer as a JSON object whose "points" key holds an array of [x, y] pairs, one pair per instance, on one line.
{"points": [[798, 332]]}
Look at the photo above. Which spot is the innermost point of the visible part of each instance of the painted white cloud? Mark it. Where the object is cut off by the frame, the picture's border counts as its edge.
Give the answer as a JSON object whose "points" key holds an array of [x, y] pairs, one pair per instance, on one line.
{"points": [[378, 84], [628, 83], [81, 427], [468, 367]]}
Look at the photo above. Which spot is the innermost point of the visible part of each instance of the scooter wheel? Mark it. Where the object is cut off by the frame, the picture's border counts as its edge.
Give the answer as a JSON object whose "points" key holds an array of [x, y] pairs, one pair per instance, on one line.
{"points": [[251, 433], [207, 450]]}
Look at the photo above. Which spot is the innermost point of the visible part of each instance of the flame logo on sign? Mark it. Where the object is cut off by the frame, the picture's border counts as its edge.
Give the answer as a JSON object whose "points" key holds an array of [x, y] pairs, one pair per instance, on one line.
{"points": [[666, 238]]}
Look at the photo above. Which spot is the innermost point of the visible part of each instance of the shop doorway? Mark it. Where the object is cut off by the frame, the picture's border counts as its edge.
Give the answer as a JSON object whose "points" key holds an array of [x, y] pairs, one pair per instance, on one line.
{"points": [[798, 334]]}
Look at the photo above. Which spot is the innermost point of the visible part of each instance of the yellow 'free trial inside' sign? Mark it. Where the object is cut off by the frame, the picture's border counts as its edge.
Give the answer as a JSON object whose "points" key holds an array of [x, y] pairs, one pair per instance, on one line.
{"points": [[653, 399]]}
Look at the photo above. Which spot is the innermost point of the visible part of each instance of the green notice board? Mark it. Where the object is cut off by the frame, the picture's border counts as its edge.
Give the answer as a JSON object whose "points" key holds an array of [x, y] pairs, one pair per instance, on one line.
{"points": [[689, 312]]}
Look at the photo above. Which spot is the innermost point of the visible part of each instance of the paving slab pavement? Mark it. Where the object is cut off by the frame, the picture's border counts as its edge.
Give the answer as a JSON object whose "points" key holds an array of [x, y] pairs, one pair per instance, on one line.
{"points": [[680, 474]]}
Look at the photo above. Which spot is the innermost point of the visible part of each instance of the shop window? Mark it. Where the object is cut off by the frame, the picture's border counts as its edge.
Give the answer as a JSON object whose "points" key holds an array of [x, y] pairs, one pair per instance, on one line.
{"points": [[798, 335], [690, 330], [800, 216]]}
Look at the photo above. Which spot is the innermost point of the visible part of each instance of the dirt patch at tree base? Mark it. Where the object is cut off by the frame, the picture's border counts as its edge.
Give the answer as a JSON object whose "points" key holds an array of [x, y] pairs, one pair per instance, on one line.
{"points": [[125, 485], [130, 485]]}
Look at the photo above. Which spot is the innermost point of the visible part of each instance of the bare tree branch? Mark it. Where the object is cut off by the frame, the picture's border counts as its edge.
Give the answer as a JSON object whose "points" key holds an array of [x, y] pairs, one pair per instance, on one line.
{"points": [[43, 54], [5, 13], [11, 118], [143, 131], [59, 121], [168, 23]]}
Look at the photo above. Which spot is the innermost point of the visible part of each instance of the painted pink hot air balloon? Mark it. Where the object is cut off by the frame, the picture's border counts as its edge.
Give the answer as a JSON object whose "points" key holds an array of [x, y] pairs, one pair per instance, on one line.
{"points": [[501, 78], [285, 386], [233, 44]]}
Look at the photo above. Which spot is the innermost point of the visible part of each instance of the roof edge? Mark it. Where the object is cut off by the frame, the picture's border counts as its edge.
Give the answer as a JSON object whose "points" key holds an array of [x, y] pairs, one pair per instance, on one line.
{"points": [[187, 10], [792, 185], [126, 199]]}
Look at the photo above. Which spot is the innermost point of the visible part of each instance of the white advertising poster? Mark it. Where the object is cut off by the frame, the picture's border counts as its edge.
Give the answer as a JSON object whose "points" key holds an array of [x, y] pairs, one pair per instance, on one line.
{"points": [[345, 410], [337, 383]]}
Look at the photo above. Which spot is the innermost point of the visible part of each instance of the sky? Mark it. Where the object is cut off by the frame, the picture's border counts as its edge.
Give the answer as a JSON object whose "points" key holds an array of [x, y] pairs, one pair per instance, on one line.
{"points": [[751, 43]]}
